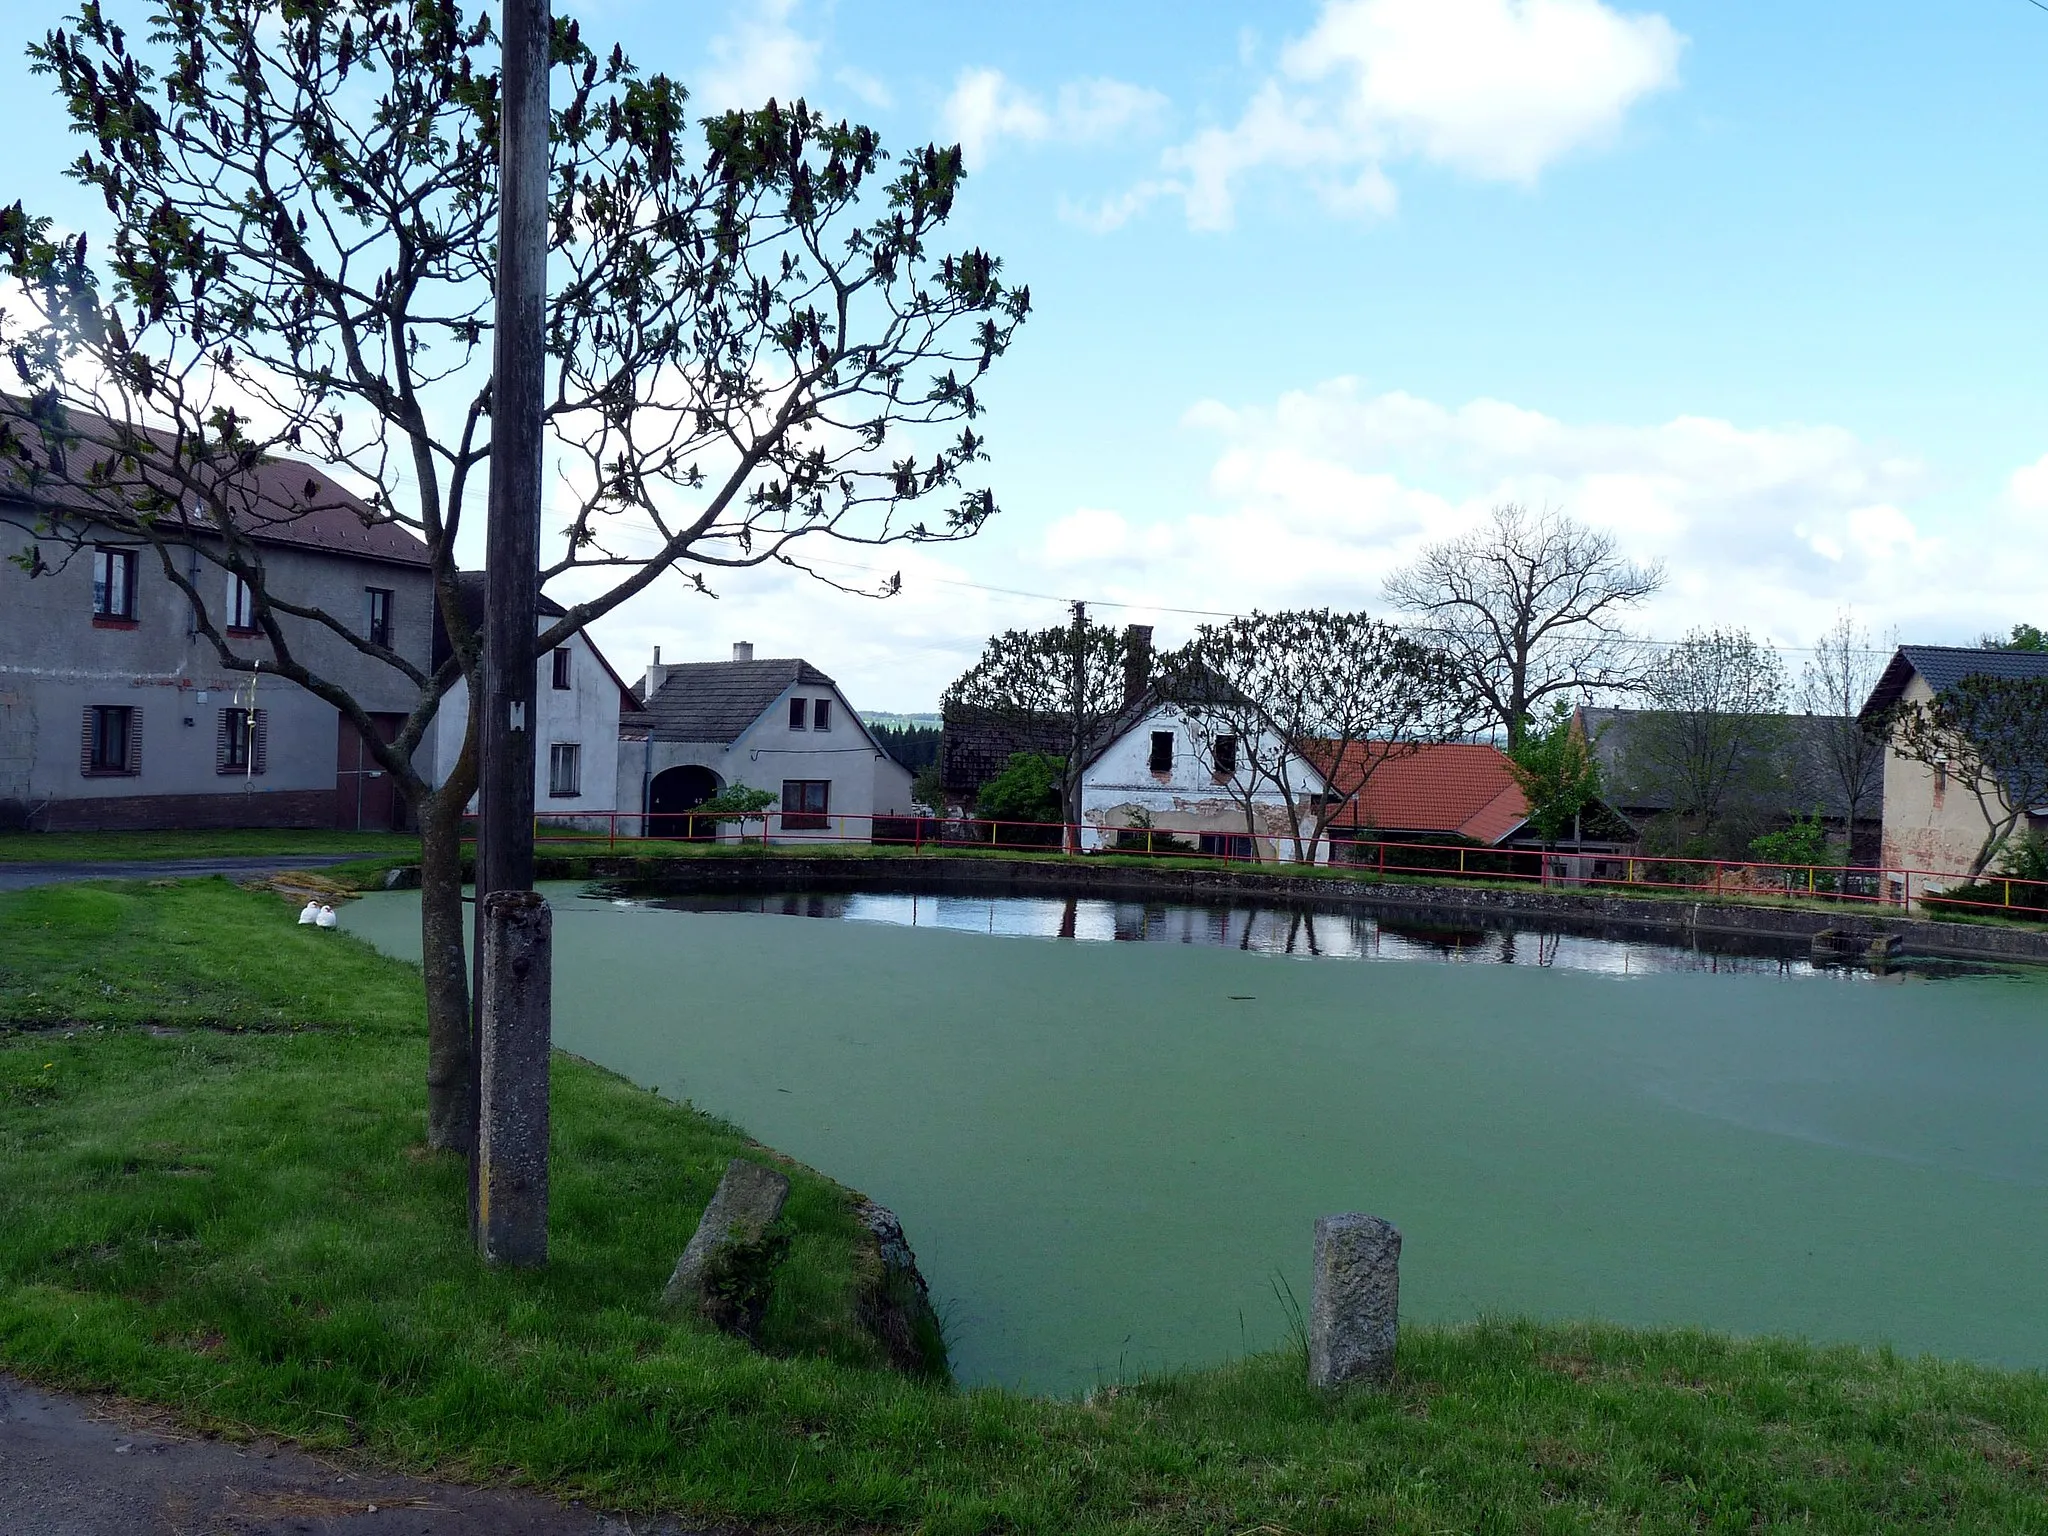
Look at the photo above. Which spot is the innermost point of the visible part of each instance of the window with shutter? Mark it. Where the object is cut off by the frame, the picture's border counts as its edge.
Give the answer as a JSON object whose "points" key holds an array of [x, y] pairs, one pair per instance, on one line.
{"points": [[112, 741]]}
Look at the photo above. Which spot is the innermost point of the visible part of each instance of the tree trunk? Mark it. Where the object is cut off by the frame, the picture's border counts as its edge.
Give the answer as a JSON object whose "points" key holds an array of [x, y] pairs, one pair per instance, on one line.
{"points": [[444, 958], [1993, 841]]}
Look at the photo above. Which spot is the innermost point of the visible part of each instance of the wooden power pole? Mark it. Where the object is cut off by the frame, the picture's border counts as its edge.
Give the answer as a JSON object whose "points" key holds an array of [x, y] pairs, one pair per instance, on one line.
{"points": [[509, 1188]]}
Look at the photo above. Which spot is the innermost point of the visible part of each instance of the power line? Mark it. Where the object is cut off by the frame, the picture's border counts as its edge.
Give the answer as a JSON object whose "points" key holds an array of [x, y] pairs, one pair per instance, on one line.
{"points": [[626, 520]]}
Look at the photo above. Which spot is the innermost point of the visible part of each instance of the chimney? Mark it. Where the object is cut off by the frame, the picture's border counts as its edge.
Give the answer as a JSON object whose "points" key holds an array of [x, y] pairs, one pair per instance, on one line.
{"points": [[743, 650], [1137, 660], [657, 674]]}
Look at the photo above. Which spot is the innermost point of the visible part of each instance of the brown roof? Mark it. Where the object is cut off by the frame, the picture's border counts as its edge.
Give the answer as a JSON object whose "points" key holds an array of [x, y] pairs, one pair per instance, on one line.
{"points": [[280, 501], [1453, 788]]}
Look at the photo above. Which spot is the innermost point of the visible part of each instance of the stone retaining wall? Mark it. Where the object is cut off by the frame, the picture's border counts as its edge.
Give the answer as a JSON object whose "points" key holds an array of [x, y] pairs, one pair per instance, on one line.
{"points": [[1590, 912]]}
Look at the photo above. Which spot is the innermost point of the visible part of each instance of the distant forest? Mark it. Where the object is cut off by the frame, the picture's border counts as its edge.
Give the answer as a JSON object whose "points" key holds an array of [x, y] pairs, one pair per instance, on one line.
{"points": [[914, 746]]}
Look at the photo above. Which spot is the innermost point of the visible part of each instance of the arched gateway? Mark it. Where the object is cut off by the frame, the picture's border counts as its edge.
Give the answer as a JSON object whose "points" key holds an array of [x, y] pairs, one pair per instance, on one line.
{"points": [[676, 792]]}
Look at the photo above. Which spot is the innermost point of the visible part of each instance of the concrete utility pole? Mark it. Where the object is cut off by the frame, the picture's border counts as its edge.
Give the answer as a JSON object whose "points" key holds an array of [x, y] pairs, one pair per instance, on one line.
{"points": [[508, 1175], [1077, 703]]}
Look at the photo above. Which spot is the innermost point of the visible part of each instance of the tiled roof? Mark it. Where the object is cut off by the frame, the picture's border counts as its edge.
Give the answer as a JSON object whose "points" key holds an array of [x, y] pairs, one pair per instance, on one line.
{"points": [[1802, 781], [280, 501], [1452, 788], [718, 700], [975, 745], [1946, 665]]}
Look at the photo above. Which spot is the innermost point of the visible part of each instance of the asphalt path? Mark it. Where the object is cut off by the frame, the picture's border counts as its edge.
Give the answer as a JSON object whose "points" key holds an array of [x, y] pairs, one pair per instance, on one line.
{"points": [[20, 876], [78, 1466]]}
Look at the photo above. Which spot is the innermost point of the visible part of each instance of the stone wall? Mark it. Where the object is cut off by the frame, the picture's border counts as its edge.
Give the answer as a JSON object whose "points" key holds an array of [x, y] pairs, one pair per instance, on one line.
{"points": [[1589, 912]]}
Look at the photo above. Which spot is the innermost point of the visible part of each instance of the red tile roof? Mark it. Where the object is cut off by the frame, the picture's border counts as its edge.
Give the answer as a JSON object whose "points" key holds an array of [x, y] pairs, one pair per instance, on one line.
{"points": [[1464, 790]]}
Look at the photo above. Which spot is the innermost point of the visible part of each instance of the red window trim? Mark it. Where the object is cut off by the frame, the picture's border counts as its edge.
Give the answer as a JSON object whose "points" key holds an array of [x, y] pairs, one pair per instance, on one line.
{"points": [[108, 621]]}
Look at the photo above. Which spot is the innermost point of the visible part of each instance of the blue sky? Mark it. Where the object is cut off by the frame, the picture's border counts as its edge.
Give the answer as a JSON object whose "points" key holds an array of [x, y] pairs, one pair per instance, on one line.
{"points": [[1756, 285]]}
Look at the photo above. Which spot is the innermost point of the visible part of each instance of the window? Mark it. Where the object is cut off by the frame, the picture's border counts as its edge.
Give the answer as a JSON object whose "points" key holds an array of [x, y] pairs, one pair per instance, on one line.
{"points": [[562, 665], [1162, 751], [377, 615], [112, 740], [1226, 757], [113, 585], [1227, 845], [821, 715], [797, 714], [805, 804], [565, 770], [241, 605], [240, 745]]}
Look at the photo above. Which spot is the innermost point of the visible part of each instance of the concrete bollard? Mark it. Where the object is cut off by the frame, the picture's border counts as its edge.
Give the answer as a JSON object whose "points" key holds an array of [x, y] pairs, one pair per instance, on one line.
{"points": [[1354, 1314], [512, 1129]]}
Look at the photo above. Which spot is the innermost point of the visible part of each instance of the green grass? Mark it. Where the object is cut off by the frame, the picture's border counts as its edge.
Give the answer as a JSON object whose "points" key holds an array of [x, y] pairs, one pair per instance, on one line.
{"points": [[212, 1196], [129, 847]]}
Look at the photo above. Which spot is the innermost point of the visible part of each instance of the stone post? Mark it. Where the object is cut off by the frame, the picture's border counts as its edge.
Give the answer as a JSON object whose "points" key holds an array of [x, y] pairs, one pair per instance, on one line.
{"points": [[512, 1130], [1354, 1313]]}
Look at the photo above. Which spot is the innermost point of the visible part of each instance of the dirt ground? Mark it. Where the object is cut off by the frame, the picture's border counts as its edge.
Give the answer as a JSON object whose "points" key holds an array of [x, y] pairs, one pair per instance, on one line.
{"points": [[83, 1466]]}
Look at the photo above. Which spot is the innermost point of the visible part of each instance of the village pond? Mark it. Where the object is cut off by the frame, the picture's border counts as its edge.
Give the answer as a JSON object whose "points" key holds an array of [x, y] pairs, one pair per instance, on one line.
{"points": [[1109, 1155]]}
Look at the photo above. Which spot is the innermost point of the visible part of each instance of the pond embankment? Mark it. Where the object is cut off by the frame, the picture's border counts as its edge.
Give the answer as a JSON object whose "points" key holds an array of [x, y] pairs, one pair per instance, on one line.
{"points": [[1596, 913]]}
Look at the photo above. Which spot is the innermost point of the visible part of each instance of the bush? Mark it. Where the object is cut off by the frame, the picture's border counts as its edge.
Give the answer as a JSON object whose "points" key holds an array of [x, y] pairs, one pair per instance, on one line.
{"points": [[2025, 857], [1027, 790]]}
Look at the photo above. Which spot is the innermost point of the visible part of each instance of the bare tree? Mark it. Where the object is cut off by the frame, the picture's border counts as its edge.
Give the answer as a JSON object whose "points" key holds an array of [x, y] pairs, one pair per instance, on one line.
{"points": [[1989, 735], [1067, 683], [1529, 606], [752, 342], [1714, 736], [1340, 693], [1833, 688]]}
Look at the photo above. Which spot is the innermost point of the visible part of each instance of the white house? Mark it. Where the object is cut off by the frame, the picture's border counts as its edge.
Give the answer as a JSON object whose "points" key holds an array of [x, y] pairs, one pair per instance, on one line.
{"points": [[578, 702], [1167, 767], [777, 724]]}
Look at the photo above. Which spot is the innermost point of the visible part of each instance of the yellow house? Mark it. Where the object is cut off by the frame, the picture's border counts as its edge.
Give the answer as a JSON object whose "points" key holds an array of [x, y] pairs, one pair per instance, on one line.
{"points": [[1932, 821]]}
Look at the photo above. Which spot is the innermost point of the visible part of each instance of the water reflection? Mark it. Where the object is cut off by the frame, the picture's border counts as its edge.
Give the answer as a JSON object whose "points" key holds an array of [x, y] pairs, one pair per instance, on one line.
{"points": [[1329, 933]]}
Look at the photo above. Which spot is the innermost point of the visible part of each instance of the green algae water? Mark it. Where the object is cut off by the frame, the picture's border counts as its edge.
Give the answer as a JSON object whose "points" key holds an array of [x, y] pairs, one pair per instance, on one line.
{"points": [[1108, 1155]]}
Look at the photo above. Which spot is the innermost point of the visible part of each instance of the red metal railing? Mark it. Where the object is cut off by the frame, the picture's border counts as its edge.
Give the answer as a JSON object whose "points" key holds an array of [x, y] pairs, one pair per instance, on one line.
{"points": [[1720, 879]]}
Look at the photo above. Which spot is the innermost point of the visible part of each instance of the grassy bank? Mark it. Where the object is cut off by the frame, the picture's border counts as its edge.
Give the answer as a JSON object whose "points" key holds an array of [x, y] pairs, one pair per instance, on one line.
{"points": [[232, 842], [212, 1196]]}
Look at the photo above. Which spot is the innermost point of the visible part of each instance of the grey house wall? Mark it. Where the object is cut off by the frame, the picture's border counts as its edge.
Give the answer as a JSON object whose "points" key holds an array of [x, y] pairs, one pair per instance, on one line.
{"points": [[585, 713], [56, 662]]}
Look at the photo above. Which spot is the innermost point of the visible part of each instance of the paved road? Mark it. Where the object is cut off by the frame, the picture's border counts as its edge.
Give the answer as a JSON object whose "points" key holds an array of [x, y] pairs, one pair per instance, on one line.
{"points": [[84, 1467], [20, 876]]}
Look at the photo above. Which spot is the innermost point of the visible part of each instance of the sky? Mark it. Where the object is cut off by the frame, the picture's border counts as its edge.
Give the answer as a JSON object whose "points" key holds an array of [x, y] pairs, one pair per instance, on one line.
{"points": [[1755, 286]]}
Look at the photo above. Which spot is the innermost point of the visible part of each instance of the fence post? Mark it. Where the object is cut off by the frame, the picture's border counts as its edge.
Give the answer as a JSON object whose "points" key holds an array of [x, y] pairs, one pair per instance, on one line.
{"points": [[1461, 861]]}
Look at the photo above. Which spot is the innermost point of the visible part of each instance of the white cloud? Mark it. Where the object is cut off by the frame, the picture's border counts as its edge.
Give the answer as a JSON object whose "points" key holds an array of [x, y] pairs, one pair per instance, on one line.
{"points": [[1497, 89], [2028, 488], [760, 54], [986, 107], [1319, 495], [872, 91]]}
